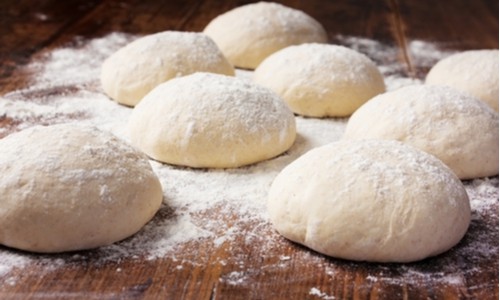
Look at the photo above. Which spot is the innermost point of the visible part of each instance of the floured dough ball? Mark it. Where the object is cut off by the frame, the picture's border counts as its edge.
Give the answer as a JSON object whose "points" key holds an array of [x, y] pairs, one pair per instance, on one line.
{"points": [[457, 128], [134, 70], [211, 121], [319, 80], [68, 187], [474, 72], [249, 33], [372, 200]]}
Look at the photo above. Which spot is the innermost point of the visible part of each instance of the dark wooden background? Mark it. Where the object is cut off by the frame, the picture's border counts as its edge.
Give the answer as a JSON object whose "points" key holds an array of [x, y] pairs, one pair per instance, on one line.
{"points": [[29, 28]]}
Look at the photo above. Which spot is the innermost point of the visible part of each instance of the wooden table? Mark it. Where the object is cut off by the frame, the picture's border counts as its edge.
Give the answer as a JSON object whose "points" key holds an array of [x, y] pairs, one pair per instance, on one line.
{"points": [[29, 29]]}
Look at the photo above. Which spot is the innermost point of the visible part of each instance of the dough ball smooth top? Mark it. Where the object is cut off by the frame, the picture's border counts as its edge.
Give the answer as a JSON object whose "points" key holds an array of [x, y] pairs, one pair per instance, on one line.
{"points": [[249, 33], [211, 121], [320, 80], [371, 200], [474, 72], [69, 187], [455, 127], [134, 70]]}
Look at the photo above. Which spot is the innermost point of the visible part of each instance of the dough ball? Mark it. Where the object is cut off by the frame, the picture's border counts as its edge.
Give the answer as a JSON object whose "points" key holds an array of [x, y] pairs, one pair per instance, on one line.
{"points": [[474, 72], [320, 80], [457, 128], [250, 33], [134, 70], [372, 200], [68, 187], [211, 121]]}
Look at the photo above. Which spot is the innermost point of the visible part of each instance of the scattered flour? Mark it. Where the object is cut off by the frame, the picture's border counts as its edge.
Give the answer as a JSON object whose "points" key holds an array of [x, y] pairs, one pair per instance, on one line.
{"points": [[316, 292], [216, 208], [234, 278]]}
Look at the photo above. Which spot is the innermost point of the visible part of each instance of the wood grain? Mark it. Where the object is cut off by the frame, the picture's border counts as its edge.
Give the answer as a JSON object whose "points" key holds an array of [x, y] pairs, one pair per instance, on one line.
{"points": [[29, 29]]}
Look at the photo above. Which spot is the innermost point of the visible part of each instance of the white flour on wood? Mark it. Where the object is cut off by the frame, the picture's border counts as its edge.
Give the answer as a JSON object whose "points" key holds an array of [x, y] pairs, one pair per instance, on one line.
{"points": [[220, 209]]}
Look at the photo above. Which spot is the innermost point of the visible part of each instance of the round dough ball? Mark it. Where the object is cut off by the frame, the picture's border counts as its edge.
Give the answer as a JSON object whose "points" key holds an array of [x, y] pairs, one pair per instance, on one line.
{"points": [[457, 128], [474, 72], [372, 200], [249, 33], [211, 121], [134, 70], [69, 187], [319, 80]]}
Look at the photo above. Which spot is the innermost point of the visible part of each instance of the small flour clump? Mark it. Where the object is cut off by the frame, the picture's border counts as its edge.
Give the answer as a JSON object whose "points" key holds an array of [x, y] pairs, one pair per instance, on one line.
{"points": [[318, 293]]}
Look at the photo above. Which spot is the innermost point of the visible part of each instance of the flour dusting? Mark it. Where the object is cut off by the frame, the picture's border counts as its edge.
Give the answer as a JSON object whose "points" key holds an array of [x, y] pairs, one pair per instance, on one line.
{"points": [[318, 293], [225, 210]]}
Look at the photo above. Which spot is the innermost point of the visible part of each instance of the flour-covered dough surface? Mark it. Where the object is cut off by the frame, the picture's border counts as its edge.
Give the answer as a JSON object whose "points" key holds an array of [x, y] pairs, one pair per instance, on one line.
{"points": [[249, 33], [455, 127], [474, 72], [70, 187], [320, 80], [211, 121], [370, 200], [134, 70]]}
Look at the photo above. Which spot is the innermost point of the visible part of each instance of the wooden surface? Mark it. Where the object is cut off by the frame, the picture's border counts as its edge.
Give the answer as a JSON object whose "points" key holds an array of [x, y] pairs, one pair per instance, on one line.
{"points": [[30, 28]]}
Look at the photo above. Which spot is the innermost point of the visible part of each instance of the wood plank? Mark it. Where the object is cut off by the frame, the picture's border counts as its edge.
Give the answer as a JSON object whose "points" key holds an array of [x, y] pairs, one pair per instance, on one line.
{"points": [[463, 25], [27, 26], [56, 27]]}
